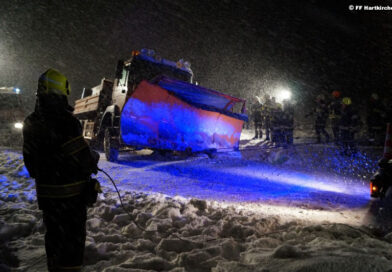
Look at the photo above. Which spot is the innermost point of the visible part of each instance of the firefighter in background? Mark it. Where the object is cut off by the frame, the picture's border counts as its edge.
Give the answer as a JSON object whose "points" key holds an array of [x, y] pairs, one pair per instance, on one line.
{"points": [[257, 119], [266, 110], [387, 105], [335, 108], [274, 104], [375, 120], [288, 122], [348, 126], [246, 124], [277, 124], [58, 158], [321, 115]]}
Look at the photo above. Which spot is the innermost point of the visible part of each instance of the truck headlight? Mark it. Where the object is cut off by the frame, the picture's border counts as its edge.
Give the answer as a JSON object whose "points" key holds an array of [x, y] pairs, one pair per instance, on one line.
{"points": [[18, 125]]}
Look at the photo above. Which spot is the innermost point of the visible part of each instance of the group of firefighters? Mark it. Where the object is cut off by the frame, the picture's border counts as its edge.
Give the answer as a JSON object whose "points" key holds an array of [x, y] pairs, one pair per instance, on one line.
{"points": [[344, 120], [277, 120]]}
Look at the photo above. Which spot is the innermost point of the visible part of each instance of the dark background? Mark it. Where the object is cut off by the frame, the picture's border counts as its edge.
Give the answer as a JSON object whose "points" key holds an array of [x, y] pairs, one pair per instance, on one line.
{"points": [[241, 47]]}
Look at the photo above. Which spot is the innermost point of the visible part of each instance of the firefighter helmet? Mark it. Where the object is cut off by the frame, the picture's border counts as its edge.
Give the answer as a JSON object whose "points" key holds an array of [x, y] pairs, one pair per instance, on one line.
{"points": [[374, 96], [346, 101], [336, 94], [320, 97], [53, 82]]}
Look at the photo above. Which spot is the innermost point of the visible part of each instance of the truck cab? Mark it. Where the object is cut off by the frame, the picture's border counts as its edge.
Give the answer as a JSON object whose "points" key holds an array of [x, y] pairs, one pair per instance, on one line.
{"points": [[100, 107], [145, 65]]}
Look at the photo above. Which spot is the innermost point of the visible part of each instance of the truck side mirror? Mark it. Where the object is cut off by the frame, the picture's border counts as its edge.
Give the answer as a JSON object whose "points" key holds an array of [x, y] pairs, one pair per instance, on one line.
{"points": [[120, 65]]}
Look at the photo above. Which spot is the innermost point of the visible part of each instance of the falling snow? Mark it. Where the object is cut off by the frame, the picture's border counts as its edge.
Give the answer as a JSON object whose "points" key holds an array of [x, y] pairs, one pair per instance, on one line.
{"points": [[303, 208]]}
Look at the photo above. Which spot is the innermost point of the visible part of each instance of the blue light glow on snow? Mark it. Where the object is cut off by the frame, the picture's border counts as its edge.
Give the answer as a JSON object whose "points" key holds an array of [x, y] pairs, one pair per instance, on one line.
{"points": [[3, 178], [24, 173], [331, 159], [244, 181]]}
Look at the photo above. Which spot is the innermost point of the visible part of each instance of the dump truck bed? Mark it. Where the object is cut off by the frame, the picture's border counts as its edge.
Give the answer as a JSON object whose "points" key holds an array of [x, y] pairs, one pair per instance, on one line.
{"points": [[100, 97], [176, 115], [86, 105]]}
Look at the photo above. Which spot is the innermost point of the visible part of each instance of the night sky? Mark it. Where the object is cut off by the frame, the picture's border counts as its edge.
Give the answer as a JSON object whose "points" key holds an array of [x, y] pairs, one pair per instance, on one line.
{"points": [[240, 47]]}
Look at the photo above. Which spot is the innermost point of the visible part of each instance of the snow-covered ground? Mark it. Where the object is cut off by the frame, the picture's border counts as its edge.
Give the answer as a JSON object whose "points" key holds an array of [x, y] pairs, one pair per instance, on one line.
{"points": [[260, 209]]}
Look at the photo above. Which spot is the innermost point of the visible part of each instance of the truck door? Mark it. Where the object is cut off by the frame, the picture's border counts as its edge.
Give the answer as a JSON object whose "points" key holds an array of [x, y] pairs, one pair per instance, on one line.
{"points": [[120, 89]]}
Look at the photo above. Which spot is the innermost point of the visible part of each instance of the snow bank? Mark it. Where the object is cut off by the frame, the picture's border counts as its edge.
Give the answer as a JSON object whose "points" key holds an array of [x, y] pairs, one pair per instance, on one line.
{"points": [[203, 237]]}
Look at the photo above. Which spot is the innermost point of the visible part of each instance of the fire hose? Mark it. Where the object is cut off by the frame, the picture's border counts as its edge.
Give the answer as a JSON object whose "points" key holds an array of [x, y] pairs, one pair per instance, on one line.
{"points": [[126, 210], [121, 202]]}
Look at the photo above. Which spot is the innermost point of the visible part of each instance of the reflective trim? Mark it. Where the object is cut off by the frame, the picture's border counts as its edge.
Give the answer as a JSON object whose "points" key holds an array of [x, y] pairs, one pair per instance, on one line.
{"points": [[62, 196], [60, 191], [69, 267], [44, 77], [74, 145], [62, 185]]}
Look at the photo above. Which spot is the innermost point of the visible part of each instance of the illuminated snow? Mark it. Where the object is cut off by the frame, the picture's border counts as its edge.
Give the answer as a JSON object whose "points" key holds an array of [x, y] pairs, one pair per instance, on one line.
{"points": [[255, 215]]}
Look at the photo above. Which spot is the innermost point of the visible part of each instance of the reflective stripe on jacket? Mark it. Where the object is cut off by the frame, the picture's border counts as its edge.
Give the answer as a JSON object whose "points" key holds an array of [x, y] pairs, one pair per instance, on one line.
{"points": [[60, 191], [74, 145]]}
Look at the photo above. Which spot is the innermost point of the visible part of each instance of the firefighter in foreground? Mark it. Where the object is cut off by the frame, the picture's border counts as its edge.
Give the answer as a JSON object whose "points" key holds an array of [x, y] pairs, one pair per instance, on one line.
{"points": [[61, 162]]}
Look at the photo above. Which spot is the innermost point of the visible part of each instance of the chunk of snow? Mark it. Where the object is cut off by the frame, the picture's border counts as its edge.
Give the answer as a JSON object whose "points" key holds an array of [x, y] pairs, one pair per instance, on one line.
{"points": [[121, 219], [94, 223], [178, 245], [147, 262], [287, 251]]}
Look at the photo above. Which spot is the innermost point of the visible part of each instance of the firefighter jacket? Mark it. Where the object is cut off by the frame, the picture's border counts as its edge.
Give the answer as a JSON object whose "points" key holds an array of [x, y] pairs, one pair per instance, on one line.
{"points": [[335, 108], [349, 120], [56, 155], [321, 114], [256, 113], [277, 118], [288, 117], [376, 114], [266, 109]]}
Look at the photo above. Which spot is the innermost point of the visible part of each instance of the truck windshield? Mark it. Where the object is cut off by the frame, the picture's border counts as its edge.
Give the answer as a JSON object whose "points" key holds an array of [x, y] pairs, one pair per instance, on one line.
{"points": [[9, 101], [145, 70]]}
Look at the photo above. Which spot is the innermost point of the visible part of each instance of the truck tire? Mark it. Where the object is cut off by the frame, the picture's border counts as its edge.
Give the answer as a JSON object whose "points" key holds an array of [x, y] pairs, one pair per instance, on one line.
{"points": [[110, 145], [211, 153]]}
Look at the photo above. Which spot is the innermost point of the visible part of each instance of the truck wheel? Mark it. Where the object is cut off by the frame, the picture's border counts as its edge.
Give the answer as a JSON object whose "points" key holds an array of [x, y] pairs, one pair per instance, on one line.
{"points": [[211, 153], [110, 146]]}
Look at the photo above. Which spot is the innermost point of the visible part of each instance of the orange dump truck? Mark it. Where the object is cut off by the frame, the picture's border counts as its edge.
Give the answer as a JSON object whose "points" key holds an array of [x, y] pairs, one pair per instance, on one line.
{"points": [[152, 103]]}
